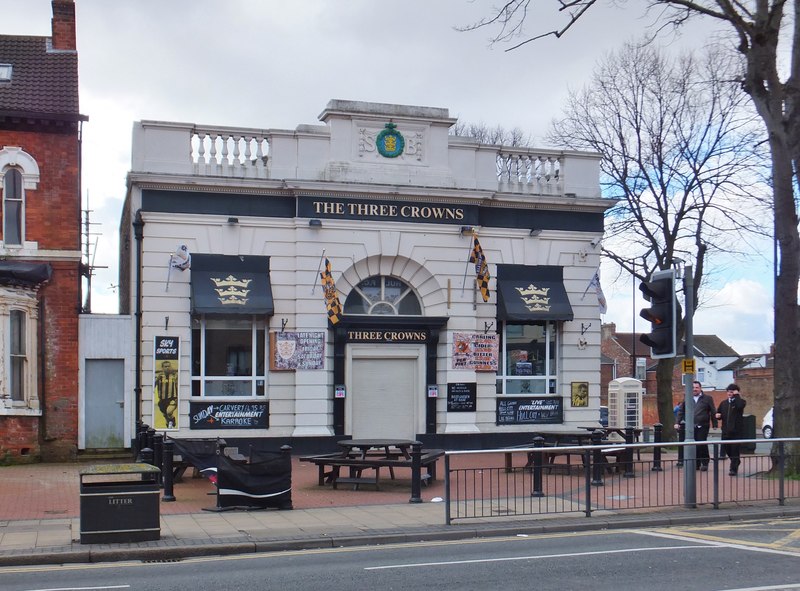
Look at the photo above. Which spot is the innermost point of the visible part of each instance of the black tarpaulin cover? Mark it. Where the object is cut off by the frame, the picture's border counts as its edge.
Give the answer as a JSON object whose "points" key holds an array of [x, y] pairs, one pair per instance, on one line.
{"points": [[264, 481], [200, 453]]}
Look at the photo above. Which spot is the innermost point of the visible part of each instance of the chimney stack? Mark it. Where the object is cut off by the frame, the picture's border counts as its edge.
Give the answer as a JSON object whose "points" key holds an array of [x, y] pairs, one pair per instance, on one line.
{"points": [[63, 25]]}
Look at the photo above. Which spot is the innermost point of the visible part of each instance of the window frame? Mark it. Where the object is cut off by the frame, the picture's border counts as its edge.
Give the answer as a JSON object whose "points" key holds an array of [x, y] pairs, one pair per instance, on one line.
{"points": [[258, 370], [10, 197], [17, 354], [549, 378], [21, 304], [381, 301], [640, 369]]}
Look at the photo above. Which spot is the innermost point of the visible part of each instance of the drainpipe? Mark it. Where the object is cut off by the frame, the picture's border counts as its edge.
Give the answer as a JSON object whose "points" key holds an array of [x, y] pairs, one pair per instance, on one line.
{"points": [[138, 233]]}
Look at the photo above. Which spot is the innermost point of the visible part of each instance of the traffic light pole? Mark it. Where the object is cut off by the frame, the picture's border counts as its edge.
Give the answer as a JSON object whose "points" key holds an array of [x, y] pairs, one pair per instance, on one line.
{"points": [[690, 451]]}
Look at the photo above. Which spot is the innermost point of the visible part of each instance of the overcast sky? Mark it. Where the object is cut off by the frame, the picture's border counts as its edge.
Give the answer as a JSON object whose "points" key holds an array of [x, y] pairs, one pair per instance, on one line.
{"points": [[276, 64]]}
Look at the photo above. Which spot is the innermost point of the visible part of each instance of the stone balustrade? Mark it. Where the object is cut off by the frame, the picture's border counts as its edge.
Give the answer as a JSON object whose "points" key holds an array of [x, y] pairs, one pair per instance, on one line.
{"points": [[517, 169], [460, 163], [229, 152]]}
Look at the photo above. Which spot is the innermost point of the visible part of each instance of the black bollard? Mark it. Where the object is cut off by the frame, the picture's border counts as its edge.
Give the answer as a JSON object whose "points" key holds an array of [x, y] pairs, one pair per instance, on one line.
{"points": [[150, 438], [416, 475], [681, 437], [598, 463], [629, 471], [538, 462], [167, 471], [158, 454], [147, 455], [141, 441], [657, 428]]}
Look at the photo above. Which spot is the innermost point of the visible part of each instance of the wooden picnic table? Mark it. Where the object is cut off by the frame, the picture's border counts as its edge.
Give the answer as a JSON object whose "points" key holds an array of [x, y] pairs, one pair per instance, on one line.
{"points": [[359, 455]]}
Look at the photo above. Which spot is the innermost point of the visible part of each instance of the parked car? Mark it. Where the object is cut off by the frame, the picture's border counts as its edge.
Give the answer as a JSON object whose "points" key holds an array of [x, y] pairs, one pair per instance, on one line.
{"points": [[766, 425]]}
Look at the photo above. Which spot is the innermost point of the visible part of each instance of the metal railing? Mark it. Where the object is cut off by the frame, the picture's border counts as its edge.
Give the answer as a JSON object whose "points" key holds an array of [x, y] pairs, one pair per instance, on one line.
{"points": [[609, 477]]}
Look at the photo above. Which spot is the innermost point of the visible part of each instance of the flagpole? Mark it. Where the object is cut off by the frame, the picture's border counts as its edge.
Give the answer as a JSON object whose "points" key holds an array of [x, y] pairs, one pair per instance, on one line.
{"points": [[169, 272], [594, 278], [316, 276]]}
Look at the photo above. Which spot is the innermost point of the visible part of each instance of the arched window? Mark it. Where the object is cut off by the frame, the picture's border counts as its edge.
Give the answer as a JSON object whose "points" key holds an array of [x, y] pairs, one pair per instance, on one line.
{"points": [[381, 295], [12, 208]]}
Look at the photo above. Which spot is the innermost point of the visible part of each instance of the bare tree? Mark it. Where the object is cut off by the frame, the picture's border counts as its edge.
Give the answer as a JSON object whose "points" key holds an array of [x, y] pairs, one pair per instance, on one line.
{"points": [[677, 139], [772, 80], [492, 135]]}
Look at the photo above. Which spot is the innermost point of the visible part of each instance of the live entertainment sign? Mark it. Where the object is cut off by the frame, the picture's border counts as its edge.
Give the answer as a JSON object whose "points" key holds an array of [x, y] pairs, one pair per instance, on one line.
{"points": [[228, 415]]}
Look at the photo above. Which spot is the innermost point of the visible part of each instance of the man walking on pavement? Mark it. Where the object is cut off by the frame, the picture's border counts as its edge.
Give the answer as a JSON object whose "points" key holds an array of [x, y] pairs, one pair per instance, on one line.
{"points": [[704, 413], [731, 413]]}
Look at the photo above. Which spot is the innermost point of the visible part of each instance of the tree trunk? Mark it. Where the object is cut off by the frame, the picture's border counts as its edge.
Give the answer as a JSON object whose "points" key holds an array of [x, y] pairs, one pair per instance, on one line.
{"points": [[664, 372], [770, 98]]}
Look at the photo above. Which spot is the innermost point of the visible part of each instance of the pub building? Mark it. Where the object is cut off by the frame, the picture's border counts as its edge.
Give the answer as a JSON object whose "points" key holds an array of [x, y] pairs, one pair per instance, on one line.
{"points": [[373, 276]]}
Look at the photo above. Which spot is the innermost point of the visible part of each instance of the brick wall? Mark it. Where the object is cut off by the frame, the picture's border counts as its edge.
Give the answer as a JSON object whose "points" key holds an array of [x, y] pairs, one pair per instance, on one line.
{"points": [[52, 220], [61, 303], [53, 209]]}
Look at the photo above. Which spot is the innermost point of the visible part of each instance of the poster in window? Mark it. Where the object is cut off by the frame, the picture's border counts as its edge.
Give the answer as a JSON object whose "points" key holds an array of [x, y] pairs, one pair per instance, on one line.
{"points": [[166, 366], [475, 351], [580, 394], [296, 350]]}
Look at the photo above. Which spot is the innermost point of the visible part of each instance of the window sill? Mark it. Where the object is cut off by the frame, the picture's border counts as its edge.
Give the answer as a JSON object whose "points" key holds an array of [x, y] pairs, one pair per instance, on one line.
{"points": [[22, 411]]}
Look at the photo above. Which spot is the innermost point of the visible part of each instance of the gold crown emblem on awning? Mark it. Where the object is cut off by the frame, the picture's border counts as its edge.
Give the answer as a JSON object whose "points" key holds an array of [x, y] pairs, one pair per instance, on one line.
{"points": [[232, 291], [535, 298]]}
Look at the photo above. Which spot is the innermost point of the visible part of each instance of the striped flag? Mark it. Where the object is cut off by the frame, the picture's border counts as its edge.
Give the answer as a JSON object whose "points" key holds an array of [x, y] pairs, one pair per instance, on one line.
{"points": [[601, 298], [481, 267], [331, 297]]}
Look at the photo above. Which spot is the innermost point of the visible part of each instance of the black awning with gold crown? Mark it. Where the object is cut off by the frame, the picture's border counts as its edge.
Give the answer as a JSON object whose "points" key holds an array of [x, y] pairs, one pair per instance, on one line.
{"points": [[532, 292], [224, 284]]}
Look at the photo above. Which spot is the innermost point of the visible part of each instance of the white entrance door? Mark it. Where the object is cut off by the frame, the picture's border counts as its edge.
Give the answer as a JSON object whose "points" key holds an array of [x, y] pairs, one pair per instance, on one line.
{"points": [[384, 385]]}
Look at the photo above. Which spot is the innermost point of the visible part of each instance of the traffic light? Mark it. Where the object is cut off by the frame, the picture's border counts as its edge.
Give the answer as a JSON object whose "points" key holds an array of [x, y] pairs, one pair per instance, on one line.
{"points": [[660, 292]]}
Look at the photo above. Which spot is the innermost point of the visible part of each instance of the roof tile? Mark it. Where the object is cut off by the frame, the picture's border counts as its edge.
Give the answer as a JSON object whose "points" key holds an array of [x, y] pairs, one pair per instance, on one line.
{"points": [[43, 81]]}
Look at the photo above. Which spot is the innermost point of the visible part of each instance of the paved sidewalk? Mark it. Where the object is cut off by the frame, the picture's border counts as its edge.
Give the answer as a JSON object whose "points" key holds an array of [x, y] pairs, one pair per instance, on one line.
{"points": [[40, 521]]}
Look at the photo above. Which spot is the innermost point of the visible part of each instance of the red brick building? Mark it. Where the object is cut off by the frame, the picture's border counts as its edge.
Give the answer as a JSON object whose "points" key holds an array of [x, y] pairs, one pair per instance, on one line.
{"points": [[625, 356], [40, 242]]}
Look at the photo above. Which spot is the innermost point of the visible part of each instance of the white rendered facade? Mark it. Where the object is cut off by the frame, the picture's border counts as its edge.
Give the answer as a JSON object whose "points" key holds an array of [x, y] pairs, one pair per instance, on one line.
{"points": [[253, 194]]}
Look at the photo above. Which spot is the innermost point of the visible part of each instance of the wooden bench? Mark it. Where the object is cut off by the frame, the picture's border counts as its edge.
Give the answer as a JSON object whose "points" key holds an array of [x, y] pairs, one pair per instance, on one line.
{"points": [[330, 465]]}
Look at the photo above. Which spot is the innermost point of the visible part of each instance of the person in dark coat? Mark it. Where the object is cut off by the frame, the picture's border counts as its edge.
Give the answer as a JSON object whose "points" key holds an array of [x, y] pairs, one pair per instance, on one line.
{"points": [[704, 416], [731, 413]]}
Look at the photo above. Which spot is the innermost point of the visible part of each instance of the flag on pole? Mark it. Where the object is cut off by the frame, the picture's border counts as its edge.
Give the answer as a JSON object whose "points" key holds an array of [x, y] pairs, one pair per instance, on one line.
{"points": [[601, 298], [331, 297], [481, 267]]}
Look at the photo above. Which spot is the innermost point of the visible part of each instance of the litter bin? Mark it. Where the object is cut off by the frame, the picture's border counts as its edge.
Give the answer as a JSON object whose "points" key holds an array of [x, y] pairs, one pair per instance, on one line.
{"points": [[119, 503], [749, 433]]}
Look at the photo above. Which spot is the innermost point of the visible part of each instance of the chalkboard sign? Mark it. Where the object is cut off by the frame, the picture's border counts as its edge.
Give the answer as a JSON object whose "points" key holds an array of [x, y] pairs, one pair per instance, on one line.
{"points": [[296, 350], [530, 411], [461, 397], [229, 415]]}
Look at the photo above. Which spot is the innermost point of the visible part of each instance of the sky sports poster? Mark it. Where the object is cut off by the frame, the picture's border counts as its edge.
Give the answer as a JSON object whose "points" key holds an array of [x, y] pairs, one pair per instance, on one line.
{"points": [[166, 374]]}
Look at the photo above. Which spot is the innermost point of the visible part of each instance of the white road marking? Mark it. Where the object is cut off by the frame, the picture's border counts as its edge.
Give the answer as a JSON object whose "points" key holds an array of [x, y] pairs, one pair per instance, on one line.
{"points": [[715, 543], [82, 588], [534, 557]]}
